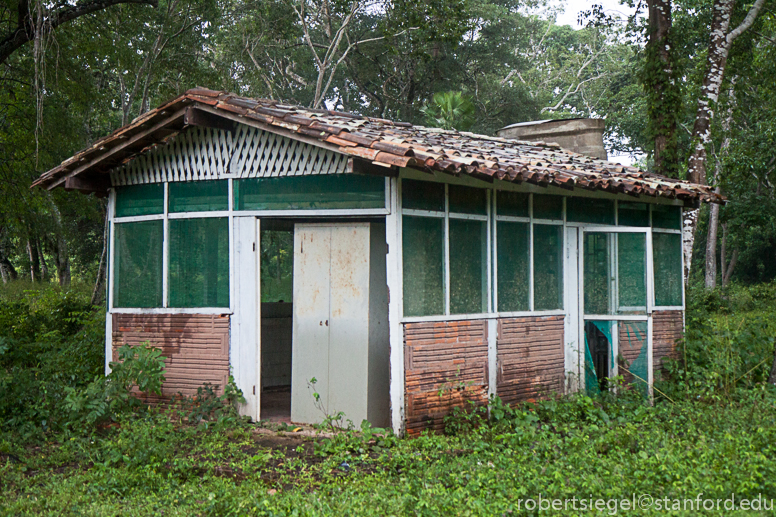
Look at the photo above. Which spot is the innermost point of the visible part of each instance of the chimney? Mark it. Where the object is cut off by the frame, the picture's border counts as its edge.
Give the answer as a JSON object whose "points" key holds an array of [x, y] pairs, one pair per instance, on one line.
{"points": [[581, 135]]}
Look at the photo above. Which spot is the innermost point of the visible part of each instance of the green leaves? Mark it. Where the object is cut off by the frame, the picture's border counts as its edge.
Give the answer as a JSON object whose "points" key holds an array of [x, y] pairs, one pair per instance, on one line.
{"points": [[449, 110]]}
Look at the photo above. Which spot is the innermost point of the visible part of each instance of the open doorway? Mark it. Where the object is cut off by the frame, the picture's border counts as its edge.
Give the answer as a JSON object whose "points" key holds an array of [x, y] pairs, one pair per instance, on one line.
{"points": [[277, 287], [324, 346], [598, 337]]}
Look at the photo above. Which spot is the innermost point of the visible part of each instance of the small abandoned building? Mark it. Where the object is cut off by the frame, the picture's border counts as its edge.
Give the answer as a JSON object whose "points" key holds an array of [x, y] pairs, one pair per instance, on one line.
{"points": [[405, 269]]}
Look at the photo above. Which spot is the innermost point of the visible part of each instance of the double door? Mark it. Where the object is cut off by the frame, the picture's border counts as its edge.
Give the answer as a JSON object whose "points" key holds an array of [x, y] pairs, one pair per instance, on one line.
{"points": [[339, 337]]}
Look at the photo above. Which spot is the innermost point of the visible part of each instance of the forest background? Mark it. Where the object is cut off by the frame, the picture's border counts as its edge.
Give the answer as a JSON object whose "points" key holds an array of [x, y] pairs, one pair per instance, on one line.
{"points": [[690, 92]]}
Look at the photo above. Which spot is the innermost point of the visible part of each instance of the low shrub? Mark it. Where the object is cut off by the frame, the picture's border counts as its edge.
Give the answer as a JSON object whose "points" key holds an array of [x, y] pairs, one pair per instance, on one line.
{"points": [[107, 398]]}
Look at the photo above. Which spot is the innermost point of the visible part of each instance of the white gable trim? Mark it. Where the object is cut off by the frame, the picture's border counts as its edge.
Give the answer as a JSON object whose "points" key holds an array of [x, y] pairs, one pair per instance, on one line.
{"points": [[200, 153]]}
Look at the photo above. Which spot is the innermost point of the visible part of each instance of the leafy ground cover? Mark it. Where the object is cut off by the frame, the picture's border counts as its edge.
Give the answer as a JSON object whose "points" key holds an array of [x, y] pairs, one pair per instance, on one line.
{"points": [[712, 434], [559, 449]]}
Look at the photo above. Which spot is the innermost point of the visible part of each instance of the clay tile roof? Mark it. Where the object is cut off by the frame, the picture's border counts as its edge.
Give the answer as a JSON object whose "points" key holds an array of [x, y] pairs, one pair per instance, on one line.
{"points": [[385, 142]]}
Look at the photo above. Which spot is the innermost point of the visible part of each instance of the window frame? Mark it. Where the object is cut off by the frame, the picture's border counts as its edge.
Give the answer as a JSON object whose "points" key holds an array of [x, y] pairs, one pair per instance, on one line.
{"points": [[492, 247], [447, 216], [230, 214]]}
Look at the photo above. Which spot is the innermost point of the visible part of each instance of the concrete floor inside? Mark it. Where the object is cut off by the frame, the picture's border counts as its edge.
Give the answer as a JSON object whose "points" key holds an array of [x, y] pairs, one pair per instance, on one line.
{"points": [[276, 404]]}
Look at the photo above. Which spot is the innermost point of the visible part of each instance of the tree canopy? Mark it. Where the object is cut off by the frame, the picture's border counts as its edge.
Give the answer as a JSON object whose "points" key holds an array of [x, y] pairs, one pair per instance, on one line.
{"points": [[470, 64]]}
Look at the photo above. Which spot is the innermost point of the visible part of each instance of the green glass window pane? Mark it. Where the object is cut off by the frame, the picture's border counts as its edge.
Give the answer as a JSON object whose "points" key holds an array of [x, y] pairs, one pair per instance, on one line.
{"points": [[589, 210], [633, 358], [468, 263], [547, 207], [199, 262], [325, 191], [277, 266], [140, 200], [512, 203], [667, 216], [632, 273], [423, 195], [423, 259], [199, 196], [632, 214], [548, 267], [597, 271], [467, 200], [513, 242], [137, 267], [667, 260]]}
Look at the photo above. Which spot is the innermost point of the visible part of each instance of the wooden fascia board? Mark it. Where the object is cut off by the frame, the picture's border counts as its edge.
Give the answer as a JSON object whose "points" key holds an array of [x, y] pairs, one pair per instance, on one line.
{"points": [[360, 166], [113, 150], [196, 116]]}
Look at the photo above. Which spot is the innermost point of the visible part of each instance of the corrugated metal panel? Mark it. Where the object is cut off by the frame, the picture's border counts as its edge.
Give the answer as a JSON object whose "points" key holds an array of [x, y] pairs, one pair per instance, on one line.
{"points": [[667, 329], [530, 357], [445, 366], [196, 347], [631, 342]]}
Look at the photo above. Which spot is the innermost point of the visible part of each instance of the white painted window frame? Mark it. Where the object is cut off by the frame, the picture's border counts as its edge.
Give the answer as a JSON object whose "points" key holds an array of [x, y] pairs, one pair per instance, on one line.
{"points": [[230, 214], [493, 218]]}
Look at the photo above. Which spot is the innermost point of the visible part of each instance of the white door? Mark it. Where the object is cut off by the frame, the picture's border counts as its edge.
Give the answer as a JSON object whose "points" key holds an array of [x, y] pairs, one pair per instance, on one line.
{"points": [[331, 321], [615, 279], [245, 342]]}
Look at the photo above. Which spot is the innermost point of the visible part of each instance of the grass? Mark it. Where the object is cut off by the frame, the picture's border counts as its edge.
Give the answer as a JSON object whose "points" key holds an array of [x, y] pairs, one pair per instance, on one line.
{"points": [[579, 447], [715, 437]]}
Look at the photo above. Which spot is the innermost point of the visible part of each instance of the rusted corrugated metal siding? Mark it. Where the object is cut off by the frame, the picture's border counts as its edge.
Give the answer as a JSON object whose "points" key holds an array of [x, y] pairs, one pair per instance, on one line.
{"points": [[530, 357], [667, 329], [196, 347], [446, 364]]}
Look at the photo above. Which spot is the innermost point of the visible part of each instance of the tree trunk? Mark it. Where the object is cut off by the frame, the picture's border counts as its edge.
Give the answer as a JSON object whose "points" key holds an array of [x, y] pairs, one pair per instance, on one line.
{"points": [[661, 87], [98, 283], [63, 262], [711, 241], [711, 247], [7, 271], [32, 253], [44, 270], [689, 222], [719, 48], [727, 269], [716, 60], [772, 376]]}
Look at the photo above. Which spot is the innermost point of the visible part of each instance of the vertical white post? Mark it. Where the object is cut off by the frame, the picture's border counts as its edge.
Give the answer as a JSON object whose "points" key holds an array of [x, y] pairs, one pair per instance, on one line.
{"points": [[650, 362], [531, 255], [650, 309], [109, 267], [165, 247], [257, 265], [111, 248], [230, 207], [393, 261], [492, 356], [494, 260], [581, 304], [489, 255], [447, 251], [571, 304]]}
